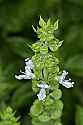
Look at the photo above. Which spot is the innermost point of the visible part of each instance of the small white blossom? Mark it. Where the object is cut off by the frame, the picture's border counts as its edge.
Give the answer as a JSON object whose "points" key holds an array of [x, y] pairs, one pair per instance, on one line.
{"points": [[64, 82], [28, 71], [29, 63], [43, 86], [42, 93]]}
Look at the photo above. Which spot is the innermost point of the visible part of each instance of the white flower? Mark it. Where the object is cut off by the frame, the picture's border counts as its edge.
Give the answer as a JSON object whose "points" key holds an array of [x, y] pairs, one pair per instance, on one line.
{"points": [[28, 71], [64, 82], [42, 93], [29, 63], [43, 86]]}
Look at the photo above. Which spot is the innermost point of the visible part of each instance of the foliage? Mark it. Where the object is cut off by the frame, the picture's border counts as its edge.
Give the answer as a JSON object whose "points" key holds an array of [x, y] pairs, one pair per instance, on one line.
{"points": [[79, 115], [16, 18], [8, 117]]}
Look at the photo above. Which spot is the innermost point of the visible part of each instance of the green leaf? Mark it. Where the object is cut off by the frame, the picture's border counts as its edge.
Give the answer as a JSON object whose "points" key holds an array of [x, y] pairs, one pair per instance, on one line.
{"points": [[59, 105], [78, 2], [56, 25], [22, 95], [20, 46], [56, 94], [56, 114], [79, 115], [36, 109], [55, 44], [8, 117], [56, 109], [6, 88], [35, 121], [57, 123], [48, 102], [75, 65], [44, 117], [43, 49], [36, 47], [15, 14], [42, 22], [34, 85]]}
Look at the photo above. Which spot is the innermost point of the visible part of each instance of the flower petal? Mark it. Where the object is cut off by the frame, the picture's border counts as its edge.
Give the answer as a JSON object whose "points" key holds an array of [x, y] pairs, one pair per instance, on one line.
{"points": [[64, 82], [67, 84], [43, 86], [42, 94]]}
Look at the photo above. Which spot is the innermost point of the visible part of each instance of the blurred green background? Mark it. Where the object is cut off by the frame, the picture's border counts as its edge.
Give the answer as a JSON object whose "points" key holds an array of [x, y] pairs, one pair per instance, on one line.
{"points": [[16, 20]]}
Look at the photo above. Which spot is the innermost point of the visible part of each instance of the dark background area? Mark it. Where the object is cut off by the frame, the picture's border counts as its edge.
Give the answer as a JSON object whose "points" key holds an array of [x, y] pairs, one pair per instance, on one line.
{"points": [[16, 33]]}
